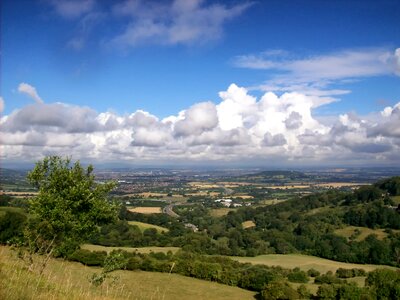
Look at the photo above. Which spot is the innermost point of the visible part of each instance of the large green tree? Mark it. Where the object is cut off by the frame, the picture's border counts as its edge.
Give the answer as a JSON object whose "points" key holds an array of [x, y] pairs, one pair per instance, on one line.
{"points": [[69, 206]]}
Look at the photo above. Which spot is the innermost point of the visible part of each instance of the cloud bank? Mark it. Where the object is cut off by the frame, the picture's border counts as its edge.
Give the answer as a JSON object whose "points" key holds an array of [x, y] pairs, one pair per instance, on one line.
{"points": [[239, 128]]}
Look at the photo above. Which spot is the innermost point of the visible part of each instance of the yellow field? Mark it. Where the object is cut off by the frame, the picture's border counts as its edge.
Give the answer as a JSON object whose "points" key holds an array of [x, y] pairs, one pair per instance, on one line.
{"points": [[19, 193], [304, 262], [130, 249], [220, 212], [350, 230], [146, 210], [143, 226], [69, 281], [248, 224]]}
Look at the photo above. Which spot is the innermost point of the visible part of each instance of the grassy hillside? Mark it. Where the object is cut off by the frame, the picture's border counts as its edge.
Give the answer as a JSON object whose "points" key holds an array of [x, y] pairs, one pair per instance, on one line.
{"points": [[68, 280], [143, 226], [360, 233], [304, 262]]}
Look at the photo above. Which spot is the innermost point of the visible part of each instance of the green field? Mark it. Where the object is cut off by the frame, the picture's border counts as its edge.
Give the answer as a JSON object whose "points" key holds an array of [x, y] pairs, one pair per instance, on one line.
{"points": [[144, 226], [348, 231], [69, 280], [130, 249], [304, 262], [220, 212]]}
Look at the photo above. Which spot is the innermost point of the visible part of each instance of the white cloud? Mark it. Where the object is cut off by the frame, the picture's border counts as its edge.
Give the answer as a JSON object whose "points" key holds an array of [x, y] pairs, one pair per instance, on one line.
{"points": [[314, 75], [29, 90], [171, 23], [71, 9], [239, 128], [1, 104]]}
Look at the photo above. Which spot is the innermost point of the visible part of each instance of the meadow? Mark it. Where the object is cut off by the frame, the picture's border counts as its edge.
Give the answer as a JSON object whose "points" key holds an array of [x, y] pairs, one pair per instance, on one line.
{"points": [[70, 280], [304, 262], [143, 226]]}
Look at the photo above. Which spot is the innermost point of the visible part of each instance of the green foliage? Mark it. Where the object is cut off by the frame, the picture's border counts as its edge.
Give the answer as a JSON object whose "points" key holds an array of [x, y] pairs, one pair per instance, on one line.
{"points": [[89, 258], [385, 283], [390, 185], [298, 276], [349, 273], [11, 226], [313, 273], [69, 206], [279, 290], [327, 279]]}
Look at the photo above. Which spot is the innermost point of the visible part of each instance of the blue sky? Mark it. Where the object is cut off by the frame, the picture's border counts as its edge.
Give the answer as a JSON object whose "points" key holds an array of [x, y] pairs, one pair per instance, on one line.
{"points": [[334, 67]]}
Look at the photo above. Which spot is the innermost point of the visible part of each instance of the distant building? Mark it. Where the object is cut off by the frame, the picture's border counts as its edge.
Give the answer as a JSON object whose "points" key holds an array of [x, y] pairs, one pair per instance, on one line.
{"points": [[192, 227]]}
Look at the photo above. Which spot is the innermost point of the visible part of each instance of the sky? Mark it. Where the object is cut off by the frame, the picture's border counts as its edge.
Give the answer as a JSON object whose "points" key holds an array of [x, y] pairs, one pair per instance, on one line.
{"points": [[244, 83]]}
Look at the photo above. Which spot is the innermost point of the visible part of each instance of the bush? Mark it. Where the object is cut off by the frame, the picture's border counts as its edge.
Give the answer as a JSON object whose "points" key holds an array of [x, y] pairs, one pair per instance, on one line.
{"points": [[328, 279], [298, 276], [279, 290], [89, 258], [349, 273], [313, 273]]}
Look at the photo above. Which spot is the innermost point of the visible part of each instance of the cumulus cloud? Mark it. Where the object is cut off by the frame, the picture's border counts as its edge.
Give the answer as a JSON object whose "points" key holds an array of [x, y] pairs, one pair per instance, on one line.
{"points": [[198, 118], [30, 91], [240, 127], [170, 23]]}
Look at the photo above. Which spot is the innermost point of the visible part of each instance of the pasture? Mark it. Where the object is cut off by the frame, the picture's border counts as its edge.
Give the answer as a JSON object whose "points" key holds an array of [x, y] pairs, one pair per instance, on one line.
{"points": [[304, 262], [69, 280], [360, 233], [220, 212], [143, 226]]}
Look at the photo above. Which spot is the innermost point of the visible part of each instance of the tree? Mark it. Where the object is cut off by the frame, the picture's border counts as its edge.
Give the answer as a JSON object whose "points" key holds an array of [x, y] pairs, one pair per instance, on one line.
{"points": [[69, 206]]}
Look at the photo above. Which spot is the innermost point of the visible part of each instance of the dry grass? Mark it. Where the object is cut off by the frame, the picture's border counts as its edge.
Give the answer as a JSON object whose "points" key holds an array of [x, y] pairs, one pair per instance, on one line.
{"points": [[248, 224], [143, 226], [131, 249], [287, 187], [304, 262], [69, 281], [146, 210], [348, 231]]}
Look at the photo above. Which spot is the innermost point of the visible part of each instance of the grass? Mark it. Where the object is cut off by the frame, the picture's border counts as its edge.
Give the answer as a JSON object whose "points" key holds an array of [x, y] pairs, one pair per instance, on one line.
{"points": [[348, 231], [248, 224], [130, 249], [146, 210], [143, 226], [69, 280], [304, 262], [220, 212]]}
